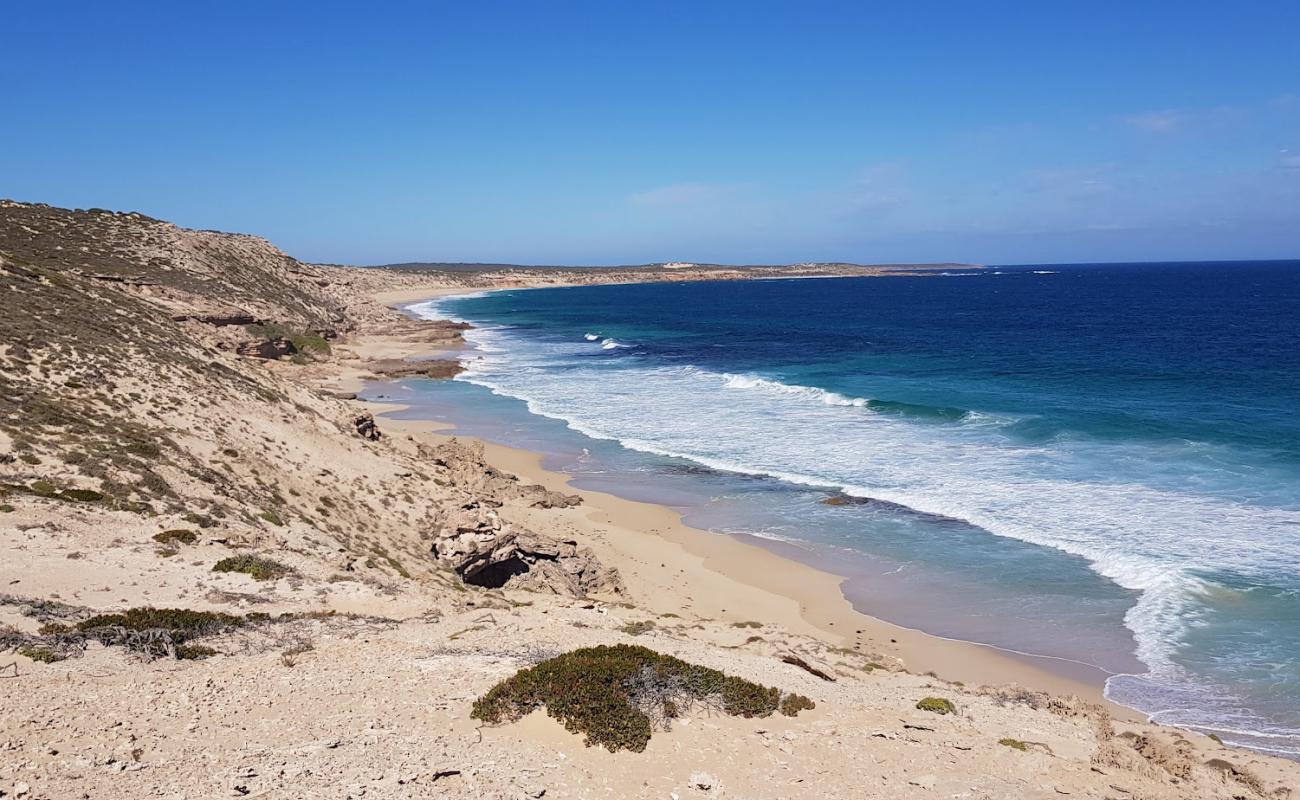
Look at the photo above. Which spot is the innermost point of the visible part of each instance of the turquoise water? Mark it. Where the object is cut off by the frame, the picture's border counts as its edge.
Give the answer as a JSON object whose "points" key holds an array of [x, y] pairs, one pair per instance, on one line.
{"points": [[1097, 463]]}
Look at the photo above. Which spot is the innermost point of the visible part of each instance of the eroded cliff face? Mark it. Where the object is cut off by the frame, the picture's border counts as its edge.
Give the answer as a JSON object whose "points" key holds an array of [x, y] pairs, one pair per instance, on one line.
{"points": [[168, 375]]}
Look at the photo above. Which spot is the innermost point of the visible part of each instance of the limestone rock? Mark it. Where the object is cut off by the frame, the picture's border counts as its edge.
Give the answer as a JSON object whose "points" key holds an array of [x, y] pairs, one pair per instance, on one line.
{"points": [[487, 551], [463, 464]]}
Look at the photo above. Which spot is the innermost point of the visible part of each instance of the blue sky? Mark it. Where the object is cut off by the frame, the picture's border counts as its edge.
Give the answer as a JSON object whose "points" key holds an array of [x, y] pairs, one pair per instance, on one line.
{"points": [[609, 132]]}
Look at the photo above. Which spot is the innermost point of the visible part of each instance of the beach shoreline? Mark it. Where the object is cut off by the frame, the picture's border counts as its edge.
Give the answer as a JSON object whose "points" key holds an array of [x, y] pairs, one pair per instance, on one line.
{"points": [[791, 591]]}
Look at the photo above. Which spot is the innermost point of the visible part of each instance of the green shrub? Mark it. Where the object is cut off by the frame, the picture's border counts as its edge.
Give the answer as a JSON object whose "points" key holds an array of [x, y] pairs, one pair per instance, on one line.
{"points": [[260, 569], [938, 705], [1014, 744], [176, 535], [82, 495], [181, 622], [193, 652], [638, 628], [42, 654], [303, 341], [271, 517], [609, 693], [742, 698], [5, 508], [143, 449], [792, 704], [43, 489]]}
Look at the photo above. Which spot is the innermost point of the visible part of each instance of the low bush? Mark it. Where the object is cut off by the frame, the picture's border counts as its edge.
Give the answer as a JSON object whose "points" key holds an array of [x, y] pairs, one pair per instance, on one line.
{"points": [[792, 704], [181, 622], [617, 695], [1014, 744], [258, 568], [938, 705], [82, 495], [42, 654], [176, 535], [202, 520], [637, 628], [193, 652], [145, 631], [47, 489], [303, 341]]}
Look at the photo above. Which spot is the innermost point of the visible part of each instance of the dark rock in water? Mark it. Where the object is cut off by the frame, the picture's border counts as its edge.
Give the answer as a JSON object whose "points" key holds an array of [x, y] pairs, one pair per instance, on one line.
{"points": [[885, 505], [267, 348], [846, 500], [688, 469]]}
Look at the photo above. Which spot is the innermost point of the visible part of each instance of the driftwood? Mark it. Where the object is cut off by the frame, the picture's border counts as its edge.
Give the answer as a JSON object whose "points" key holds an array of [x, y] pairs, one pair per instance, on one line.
{"points": [[806, 667]]}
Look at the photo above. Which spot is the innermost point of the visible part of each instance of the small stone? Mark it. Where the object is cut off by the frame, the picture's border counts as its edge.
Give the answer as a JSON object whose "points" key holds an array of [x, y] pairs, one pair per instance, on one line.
{"points": [[703, 781]]}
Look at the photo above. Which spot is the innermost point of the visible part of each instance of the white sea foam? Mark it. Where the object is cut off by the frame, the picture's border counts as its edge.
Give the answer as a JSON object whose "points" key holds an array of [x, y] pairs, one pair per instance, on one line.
{"points": [[591, 337], [611, 344], [1092, 500], [793, 390], [436, 308]]}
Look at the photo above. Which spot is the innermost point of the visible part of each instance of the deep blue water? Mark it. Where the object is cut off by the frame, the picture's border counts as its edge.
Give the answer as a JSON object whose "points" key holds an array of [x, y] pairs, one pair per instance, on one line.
{"points": [[1097, 462]]}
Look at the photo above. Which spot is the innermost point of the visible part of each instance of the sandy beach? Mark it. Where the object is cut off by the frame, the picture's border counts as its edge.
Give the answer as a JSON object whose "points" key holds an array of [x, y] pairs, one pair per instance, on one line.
{"points": [[684, 570]]}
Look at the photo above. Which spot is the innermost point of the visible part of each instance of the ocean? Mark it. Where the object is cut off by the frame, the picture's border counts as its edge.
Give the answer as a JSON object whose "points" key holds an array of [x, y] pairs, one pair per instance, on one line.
{"points": [[1094, 463]]}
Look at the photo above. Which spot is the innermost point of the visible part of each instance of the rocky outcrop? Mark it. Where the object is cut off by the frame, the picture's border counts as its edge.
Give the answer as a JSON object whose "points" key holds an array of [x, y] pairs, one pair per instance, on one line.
{"points": [[397, 368], [462, 464], [220, 319], [484, 550], [267, 348], [366, 427]]}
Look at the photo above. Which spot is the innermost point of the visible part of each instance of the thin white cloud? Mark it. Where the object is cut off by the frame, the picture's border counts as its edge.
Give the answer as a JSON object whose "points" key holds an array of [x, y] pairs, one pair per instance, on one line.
{"points": [[1288, 160], [1073, 182], [878, 187], [684, 194], [1163, 121]]}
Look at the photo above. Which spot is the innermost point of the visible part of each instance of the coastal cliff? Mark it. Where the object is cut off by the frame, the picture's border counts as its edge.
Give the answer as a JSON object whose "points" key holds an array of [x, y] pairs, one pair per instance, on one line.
{"points": [[225, 576]]}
